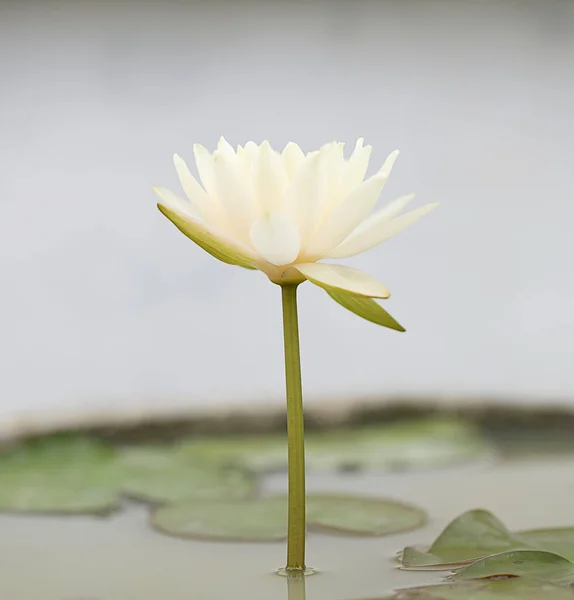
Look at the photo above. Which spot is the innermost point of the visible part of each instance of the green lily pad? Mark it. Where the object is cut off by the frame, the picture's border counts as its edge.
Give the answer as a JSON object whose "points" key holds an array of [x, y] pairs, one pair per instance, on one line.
{"points": [[64, 474], [360, 515], [557, 540], [473, 535], [529, 563], [163, 475], [406, 445], [265, 519], [256, 453], [79, 474], [477, 534], [513, 588]]}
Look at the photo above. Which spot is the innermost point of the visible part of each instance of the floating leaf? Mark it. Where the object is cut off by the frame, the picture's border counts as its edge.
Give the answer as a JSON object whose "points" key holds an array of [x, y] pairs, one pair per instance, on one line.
{"points": [[513, 588], [558, 540], [529, 563], [162, 475], [401, 445], [398, 445], [265, 519], [257, 453], [473, 535], [63, 474], [477, 534], [78, 474], [361, 516]]}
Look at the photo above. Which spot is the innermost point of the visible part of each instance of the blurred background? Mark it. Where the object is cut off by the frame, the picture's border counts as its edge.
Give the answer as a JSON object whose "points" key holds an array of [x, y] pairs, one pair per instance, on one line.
{"points": [[105, 306]]}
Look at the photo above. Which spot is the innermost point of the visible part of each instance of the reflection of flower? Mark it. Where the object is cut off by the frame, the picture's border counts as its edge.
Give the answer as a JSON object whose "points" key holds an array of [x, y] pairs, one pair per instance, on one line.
{"points": [[283, 212]]}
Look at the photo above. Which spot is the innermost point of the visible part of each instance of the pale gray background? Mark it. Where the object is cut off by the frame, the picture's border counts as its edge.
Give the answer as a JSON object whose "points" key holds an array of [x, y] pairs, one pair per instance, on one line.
{"points": [[104, 304]]}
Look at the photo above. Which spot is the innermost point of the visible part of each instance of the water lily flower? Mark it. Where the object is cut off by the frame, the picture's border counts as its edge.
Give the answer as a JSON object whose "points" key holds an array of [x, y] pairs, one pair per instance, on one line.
{"points": [[283, 213]]}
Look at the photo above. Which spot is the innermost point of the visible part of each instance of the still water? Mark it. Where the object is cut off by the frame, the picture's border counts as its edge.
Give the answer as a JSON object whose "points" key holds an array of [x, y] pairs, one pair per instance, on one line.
{"points": [[121, 558]]}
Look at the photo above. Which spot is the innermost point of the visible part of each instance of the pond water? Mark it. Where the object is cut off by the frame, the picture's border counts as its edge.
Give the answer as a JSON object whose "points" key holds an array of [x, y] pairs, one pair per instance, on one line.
{"points": [[122, 558]]}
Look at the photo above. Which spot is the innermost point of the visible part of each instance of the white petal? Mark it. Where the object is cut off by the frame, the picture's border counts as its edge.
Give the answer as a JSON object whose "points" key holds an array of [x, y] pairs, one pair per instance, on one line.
{"points": [[357, 165], [233, 194], [335, 166], [206, 206], [204, 162], [375, 231], [395, 207], [292, 158], [226, 149], [343, 278], [335, 160], [388, 212], [305, 197], [343, 219], [243, 164], [176, 203], [246, 157], [276, 238], [251, 148], [268, 180], [389, 162]]}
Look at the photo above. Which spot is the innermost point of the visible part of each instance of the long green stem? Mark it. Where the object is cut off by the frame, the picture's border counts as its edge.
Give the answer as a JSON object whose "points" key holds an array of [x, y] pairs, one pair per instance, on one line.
{"points": [[295, 433]]}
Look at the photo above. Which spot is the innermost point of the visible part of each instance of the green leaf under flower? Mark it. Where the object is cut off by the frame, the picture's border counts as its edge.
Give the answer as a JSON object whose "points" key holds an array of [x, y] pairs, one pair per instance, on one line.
{"points": [[209, 242], [366, 308]]}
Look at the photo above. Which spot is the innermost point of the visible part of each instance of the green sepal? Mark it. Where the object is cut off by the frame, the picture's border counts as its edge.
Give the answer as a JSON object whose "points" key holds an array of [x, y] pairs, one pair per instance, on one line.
{"points": [[206, 240], [366, 308]]}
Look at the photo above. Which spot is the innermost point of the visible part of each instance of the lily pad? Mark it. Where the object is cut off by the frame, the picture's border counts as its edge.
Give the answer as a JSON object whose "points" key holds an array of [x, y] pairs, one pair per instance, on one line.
{"points": [[512, 588], [473, 535], [64, 474], [79, 474], [265, 519], [477, 534], [529, 563], [163, 475], [406, 445], [557, 540], [361, 516]]}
